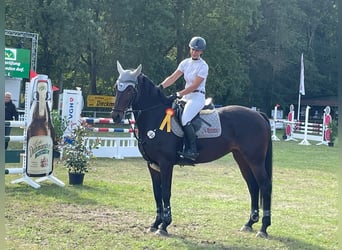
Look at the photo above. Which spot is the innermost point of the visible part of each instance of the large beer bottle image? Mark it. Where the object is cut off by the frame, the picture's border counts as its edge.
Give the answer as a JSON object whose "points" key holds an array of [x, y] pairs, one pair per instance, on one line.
{"points": [[40, 134]]}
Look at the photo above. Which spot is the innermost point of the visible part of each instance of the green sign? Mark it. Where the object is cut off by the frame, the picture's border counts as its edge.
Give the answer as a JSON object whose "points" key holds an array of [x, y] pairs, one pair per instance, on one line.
{"points": [[17, 62]]}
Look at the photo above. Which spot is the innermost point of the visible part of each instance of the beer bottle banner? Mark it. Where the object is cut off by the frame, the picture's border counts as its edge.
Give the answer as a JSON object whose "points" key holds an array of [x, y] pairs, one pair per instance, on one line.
{"points": [[40, 130]]}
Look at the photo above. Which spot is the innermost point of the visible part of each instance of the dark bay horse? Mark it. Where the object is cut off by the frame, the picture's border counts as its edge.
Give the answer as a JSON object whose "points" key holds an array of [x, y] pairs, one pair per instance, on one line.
{"points": [[245, 133]]}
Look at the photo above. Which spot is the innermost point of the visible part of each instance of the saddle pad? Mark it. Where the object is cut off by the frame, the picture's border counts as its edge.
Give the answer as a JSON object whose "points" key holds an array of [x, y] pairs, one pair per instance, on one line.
{"points": [[210, 130]]}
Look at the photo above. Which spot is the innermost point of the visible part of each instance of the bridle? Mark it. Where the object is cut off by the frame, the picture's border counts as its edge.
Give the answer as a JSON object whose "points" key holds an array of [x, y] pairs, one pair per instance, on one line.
{"points": [[121, 86]]}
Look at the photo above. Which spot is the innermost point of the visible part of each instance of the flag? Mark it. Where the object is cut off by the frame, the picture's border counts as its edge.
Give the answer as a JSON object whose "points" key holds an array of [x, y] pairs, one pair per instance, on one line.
{"points": [[54, 88], [33, 74], [301, 82]]}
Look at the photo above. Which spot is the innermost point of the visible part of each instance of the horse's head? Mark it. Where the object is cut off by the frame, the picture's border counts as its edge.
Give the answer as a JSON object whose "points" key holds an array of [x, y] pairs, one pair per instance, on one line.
{"points": [[126, 91]]}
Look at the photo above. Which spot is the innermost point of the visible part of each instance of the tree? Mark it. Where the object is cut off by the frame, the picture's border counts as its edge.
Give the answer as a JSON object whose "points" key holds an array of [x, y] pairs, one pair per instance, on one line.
{"points": [[253, 46]]}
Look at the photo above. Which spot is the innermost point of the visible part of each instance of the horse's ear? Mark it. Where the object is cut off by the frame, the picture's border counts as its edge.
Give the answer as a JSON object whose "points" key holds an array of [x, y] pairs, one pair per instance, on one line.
{"points": [[137, 71], [119, 67]]}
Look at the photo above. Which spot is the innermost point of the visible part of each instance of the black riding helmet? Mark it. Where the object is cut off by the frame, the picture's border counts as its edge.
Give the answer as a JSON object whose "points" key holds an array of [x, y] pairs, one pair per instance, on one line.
{"points": [[197, 43]]}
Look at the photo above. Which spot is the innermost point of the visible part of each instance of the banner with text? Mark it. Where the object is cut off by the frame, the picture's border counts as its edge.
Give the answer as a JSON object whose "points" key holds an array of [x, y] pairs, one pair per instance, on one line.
{"points": [[104, 101], [17, 62]]}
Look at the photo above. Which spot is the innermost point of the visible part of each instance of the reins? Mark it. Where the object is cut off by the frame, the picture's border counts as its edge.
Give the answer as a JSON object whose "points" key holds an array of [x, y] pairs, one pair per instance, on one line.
{"points": [[139, 111]]}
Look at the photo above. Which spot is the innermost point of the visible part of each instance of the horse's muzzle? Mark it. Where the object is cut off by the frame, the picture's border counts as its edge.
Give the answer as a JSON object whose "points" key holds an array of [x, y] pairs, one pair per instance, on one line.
{"points": [[117, 116]]}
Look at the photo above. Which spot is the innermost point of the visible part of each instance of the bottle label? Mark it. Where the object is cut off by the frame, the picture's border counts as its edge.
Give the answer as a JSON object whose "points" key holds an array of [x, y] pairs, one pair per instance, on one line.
{"points": [[39, 156]]}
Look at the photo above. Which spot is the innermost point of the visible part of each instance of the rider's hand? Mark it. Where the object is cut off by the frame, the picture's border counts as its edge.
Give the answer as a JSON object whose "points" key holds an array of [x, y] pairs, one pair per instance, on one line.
{"points": [[160, 86], [174, 96]]}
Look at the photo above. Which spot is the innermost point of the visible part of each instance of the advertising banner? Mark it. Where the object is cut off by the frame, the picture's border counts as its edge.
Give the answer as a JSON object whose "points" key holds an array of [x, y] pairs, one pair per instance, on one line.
{"points": [[103, 101], [72, 108], [17, 62], [40, 130]]}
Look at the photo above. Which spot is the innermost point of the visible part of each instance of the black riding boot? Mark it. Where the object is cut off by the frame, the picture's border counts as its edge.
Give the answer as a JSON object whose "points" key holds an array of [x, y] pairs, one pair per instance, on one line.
{"points": [[190, 149]]}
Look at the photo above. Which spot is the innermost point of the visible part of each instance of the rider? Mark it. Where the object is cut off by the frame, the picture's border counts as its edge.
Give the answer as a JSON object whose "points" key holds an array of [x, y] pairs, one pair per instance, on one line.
{"points": [[195, 71]]}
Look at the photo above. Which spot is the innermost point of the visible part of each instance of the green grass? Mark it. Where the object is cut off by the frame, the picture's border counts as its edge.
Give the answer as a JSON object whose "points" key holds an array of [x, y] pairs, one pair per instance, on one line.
{"points": [[210, 203]]}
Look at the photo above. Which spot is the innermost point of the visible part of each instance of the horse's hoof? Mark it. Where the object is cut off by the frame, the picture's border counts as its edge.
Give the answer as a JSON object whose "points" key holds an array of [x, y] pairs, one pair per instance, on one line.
{"points": [[151, 229], [161, 232], [246, 229], [262, 235]]}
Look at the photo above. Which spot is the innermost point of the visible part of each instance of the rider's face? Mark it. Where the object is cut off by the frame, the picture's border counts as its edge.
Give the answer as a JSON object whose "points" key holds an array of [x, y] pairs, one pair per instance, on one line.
{"points": [[195, 54]]}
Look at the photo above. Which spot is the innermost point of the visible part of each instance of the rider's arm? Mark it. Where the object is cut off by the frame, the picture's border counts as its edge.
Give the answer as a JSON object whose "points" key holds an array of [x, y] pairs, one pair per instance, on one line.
{"points": [[171, 79], [195, 84]]}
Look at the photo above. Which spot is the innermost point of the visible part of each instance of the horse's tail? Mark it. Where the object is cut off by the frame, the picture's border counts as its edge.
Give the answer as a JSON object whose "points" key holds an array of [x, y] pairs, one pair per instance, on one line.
{"points": [[268, 159]]}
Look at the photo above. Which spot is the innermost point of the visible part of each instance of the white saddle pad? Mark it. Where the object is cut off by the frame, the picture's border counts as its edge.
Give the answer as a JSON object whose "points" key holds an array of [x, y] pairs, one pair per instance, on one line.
{"points": [[209, 129]]}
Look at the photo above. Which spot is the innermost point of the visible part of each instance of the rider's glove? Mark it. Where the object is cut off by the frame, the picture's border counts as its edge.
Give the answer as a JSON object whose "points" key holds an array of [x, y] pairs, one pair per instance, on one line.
{"points": [[160, 86], [174, 96]]}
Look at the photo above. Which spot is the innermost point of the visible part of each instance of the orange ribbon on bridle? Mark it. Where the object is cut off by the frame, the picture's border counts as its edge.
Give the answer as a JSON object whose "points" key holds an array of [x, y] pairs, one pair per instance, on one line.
{"points": [[169, 112]]}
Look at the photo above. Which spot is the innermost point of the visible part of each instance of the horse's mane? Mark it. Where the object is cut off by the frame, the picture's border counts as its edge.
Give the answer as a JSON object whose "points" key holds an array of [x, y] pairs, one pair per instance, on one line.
{"points": [[147, 85]]}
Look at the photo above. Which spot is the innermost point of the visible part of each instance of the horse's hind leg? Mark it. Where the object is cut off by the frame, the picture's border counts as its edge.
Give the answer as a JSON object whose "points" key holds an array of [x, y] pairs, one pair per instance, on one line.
{"points": [[253, 189], [257, 180], [266, 192], [157, 191]]}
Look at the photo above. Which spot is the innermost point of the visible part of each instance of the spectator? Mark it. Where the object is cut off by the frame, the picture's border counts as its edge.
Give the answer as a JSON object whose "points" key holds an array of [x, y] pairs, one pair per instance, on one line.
{"points": [[10, 113]]}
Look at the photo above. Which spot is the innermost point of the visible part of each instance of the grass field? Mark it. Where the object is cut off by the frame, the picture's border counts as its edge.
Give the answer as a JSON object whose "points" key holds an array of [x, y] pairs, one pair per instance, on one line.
{"points": [[210, 203]]}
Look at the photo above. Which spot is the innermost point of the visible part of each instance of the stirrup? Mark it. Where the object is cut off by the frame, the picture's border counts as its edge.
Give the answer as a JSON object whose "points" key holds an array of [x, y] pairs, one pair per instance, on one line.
{"points": [[191, 156]]}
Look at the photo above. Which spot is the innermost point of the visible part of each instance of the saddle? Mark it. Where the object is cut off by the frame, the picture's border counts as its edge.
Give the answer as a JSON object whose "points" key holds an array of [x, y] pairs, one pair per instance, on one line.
{"points": [[206, 123]]}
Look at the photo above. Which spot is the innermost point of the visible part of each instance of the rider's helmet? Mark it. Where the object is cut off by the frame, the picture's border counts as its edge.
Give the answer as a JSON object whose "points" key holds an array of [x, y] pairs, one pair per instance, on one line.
{"points": [[197, 43]]}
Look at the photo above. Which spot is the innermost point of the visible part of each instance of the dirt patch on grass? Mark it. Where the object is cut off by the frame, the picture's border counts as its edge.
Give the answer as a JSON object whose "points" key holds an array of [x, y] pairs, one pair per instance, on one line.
{"points": [[75, 220]]}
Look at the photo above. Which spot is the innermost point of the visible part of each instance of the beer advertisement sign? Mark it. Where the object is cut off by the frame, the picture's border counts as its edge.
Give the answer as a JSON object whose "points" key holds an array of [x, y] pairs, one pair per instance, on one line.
{"points": [[40, 131]]}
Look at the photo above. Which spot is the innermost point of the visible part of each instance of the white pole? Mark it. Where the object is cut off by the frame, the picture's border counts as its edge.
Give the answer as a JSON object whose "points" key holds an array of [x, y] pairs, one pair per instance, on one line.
{"points": [[274, 136], [305, 141], [14, 171], [298, 107], [324, 128]]}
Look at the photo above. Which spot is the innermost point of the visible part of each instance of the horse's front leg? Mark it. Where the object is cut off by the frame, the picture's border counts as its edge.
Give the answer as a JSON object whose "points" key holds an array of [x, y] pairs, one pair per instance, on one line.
{"points": [[162, 193], [166, 171], [157, 191], [161, 182]]}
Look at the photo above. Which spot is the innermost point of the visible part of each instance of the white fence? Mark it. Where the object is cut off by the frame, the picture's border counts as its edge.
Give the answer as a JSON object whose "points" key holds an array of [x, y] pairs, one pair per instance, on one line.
{"points": [[113, 147]]}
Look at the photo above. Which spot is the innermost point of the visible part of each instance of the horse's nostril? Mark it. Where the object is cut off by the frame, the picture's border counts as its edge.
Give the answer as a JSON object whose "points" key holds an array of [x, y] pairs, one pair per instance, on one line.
{"points": [[116, 117]]}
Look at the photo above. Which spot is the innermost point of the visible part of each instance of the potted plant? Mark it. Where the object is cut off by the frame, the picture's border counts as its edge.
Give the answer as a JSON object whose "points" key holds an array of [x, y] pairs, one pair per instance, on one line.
{"points": [[59, 124], [333, 132], [77, 153]]}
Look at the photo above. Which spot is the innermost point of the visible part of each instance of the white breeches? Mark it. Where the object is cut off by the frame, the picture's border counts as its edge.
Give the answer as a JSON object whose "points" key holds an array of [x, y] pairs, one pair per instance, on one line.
{"points": [[194, 103]]}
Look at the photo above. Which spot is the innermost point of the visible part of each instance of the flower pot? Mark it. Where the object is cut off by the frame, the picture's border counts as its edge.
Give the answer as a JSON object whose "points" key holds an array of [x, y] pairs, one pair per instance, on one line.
{"points": [[76, 178]]}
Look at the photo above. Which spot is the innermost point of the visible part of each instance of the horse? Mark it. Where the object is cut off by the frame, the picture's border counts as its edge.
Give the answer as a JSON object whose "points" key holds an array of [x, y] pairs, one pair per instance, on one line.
{"points": [[246, 133]]}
